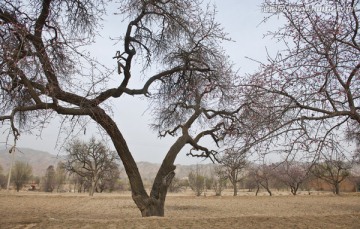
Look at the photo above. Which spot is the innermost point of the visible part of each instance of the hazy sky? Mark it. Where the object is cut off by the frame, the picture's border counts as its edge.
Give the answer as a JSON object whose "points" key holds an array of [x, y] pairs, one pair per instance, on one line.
{"points": [[240, 19]]}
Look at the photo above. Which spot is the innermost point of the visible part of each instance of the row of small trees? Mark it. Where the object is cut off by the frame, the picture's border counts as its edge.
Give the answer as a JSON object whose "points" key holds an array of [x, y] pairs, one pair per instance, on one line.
{"points": [[90, 166], [55, 179], [292, 176], [21, 173]]}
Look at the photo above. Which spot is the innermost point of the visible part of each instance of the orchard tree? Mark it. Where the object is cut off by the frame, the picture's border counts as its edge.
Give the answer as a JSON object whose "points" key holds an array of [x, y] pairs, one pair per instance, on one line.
{"points": [[108, 180], [81, 184], [312, 85], [92, 161], [292, 173], [317, 74], [234, 162], [45, 71], [197, 182], [261, 175], [178, 185], [353, 134], [21, 174], [333, 170], [49, 179], [219, 177], [60, 175], [2, 178]]}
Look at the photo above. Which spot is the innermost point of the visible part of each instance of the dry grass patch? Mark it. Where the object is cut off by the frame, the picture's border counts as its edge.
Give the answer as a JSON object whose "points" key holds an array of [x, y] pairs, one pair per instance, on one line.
{"points": [[39, 210]]}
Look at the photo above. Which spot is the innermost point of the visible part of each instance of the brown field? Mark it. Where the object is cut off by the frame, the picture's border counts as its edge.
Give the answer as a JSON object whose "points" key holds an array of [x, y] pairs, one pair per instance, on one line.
{"points": [[40, 210]]}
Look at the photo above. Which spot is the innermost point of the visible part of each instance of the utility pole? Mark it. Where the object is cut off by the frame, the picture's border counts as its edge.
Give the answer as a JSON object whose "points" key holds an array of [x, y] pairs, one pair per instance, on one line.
{"points": [[12, 152]]}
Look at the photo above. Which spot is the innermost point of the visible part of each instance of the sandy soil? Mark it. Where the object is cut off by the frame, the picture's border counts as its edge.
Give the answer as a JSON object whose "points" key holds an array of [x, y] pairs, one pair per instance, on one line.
{"points": [[40, 210]]}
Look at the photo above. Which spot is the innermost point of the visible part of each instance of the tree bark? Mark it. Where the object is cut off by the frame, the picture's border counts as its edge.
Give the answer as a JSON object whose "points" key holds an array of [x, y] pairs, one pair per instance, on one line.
{"points": [[92, 188], [235, 188], [139, 194], [294, 189], [152, 205], [163, 180], [337, 188], [267, 188]]}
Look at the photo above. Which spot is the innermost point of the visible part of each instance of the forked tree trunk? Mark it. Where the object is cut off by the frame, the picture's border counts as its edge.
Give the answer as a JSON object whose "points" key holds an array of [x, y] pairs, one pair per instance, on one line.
{"points": [[269, 191], [294, 189], [163, 180], [257, 190], [152, 205], [266, 186]]}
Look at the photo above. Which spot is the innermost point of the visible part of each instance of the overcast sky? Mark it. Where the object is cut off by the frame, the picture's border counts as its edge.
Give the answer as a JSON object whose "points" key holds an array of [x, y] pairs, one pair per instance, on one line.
{"points": [[240, 19]]}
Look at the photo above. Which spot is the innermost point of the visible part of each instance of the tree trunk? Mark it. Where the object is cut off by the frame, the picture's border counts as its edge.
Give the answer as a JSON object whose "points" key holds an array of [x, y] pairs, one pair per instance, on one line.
{"points": [[293, 189], [163, 180], [92, 188], [152, 205], [266, 186], [154, 208], [257, 190], [337, 188], [268, 190], [235, 189], [139, 194]]}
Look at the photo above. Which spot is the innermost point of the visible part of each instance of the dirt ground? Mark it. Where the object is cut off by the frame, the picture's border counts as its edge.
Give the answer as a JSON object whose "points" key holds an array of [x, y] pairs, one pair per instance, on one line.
{"points": [[40, 210]]}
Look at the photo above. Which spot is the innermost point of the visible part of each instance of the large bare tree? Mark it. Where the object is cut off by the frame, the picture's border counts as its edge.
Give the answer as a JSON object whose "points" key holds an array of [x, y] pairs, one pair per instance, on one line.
{"points": [[312, 84], [333, 168], [45, 71], [21, 173], [292, 173], [91, 161], [234, 162]]}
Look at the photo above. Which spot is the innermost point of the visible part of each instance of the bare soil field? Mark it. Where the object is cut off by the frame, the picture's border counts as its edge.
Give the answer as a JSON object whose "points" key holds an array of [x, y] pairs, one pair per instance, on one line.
{"points": [[40, 210]]}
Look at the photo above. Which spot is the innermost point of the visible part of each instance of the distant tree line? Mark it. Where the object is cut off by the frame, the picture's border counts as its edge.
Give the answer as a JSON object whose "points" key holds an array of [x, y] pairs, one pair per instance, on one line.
{"points": [[89, 167], [286, 175]]}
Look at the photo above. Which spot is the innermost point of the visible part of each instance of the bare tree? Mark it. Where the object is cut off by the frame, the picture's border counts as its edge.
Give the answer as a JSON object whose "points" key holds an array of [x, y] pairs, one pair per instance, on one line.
{"points": [[108, 179], [49, 179], [45, 72], [292, 173], [91, 161], [81, 184], [197, 181], [21, 174], [220, 178], [333, 171], [60, 175], [312, 84], [261, 175], [178, 185], [353, 134], [234, 162], [2, 178], [317, 73]]}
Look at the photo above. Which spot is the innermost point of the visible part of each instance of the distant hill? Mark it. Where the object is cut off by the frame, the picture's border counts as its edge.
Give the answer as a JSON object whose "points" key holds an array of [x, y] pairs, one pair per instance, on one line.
{"points": [[39, 160]]}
